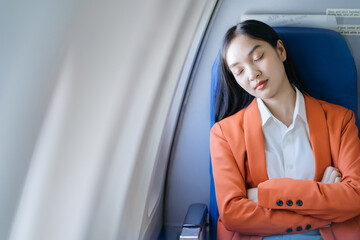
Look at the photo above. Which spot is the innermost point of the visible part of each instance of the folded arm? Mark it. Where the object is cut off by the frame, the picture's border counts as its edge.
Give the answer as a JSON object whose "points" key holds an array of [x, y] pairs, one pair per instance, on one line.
{"points": [[336, 202], [238, 213], [331, 175]]}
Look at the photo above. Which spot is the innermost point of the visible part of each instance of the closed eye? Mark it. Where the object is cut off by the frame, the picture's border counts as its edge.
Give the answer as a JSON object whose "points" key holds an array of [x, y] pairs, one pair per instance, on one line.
{"points": [[238, 73], [259, 58]]}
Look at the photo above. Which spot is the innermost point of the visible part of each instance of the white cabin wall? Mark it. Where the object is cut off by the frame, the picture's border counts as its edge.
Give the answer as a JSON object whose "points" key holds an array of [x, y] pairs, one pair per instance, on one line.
{"points": [[32, 45], [85, 91]]}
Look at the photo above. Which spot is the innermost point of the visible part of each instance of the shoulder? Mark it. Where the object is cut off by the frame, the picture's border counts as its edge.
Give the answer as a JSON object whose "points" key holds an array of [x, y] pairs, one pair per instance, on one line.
{"points": [[334, 111], [229, 125], [335, 115], [330, 108], [235, 122]]}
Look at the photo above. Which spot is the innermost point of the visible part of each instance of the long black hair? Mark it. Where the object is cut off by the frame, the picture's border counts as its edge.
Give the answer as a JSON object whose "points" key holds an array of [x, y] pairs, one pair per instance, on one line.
{"points": [[229, 96]]}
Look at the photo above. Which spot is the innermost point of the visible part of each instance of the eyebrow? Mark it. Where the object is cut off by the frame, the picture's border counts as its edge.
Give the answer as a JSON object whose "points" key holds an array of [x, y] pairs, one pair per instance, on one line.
{"points": [[251, 52]]}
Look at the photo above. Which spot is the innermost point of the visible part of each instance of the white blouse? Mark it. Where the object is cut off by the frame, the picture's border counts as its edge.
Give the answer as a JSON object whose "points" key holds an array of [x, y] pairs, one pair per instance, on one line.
{"points": [[288, 149]]}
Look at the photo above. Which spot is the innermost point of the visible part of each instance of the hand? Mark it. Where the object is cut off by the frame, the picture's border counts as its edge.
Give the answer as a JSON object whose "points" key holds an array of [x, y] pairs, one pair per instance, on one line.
{"points": [[252, 194], [331, 175]]}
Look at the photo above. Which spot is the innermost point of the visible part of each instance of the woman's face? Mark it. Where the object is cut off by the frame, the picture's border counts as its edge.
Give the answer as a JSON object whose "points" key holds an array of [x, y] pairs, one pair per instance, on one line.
{"points": [[257, 67]]}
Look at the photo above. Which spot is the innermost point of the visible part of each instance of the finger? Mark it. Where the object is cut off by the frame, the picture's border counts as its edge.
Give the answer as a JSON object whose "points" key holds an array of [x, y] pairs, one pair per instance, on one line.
{"points": [[250, 191], [334, 174], [336, 169], [337, 179], [252, 194], [326, 175]]}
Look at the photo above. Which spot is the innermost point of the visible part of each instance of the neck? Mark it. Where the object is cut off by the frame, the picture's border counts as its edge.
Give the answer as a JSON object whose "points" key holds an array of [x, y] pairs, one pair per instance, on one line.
{"points": [[282, 107]]}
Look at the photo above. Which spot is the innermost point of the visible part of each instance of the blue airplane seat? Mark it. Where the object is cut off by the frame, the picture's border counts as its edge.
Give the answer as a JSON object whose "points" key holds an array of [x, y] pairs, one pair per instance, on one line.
{"points": [[327, 68]]}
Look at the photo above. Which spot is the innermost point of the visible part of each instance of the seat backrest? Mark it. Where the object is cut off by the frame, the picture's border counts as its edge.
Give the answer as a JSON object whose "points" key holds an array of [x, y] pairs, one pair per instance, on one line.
{"points": [[326, 66]]}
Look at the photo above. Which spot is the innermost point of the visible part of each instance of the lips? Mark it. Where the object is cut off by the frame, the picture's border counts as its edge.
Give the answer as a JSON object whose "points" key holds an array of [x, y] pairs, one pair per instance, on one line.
{"points": [[261, 84]]}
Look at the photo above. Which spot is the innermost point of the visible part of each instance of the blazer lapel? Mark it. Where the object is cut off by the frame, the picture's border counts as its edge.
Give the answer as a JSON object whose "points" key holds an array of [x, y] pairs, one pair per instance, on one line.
{"points": [[254, 142], [319, 136]]}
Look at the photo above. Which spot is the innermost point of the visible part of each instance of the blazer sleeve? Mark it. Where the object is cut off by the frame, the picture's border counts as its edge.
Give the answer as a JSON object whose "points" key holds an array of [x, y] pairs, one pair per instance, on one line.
{"points": [[237, 213], [336, 202]]}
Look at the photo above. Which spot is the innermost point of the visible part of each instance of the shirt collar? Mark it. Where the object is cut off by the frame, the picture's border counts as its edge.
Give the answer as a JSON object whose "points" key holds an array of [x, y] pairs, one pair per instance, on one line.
{"points": [[300, 109], [264, 111]]}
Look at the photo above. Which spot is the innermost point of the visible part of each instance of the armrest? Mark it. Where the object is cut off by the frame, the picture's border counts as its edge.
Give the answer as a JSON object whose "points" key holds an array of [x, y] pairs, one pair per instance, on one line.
{"points": [[194, 226]]}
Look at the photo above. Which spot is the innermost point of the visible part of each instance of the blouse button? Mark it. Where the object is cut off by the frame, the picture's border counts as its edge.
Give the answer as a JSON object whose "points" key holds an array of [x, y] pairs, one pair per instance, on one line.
{"points": [[289, 203], [299, 203], [279, 203]]}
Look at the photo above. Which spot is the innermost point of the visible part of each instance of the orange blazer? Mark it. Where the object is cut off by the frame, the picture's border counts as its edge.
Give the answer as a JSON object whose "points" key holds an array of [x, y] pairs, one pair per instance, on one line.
{"points": [[238, 161]]}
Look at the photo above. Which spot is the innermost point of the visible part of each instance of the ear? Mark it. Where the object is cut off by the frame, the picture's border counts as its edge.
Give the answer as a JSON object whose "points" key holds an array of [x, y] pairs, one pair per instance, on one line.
{"points": [[281, 50]]}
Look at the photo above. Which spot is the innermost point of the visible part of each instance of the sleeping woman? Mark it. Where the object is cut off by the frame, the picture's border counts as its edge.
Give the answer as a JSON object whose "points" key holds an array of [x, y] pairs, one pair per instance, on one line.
{"points": [[285, 165]]}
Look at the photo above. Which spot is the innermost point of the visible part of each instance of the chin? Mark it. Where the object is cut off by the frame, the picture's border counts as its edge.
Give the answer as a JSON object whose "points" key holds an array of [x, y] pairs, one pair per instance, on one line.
{"points": [[265, 95]]}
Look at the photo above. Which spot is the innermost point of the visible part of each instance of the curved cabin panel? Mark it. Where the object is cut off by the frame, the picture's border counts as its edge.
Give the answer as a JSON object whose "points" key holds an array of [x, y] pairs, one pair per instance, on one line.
{"points": [[105, 112]]}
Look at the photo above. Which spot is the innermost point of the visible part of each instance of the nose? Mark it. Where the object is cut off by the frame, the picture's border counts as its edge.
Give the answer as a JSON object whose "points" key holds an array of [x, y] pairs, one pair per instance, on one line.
{"points": [[254, 74]]}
